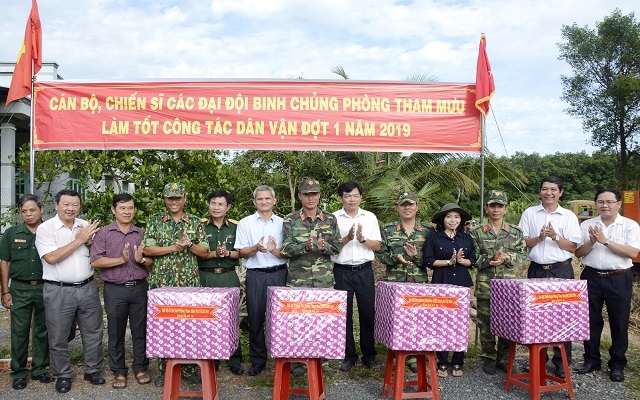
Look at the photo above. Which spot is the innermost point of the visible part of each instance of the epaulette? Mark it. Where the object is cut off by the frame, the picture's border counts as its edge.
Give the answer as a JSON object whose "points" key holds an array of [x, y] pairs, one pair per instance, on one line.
{"points": [[233, 221]]}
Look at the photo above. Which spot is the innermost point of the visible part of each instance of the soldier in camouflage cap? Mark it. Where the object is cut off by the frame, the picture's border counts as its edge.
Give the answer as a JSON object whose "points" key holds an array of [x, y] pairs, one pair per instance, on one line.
{"points": [[500, 248], [401, 249], [310, 237]]}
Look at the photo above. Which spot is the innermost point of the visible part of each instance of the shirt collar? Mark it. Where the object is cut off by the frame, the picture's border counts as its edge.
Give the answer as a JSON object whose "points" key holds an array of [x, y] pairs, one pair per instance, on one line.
{"points": [[487, 227], [319, 214], [167, 216]]}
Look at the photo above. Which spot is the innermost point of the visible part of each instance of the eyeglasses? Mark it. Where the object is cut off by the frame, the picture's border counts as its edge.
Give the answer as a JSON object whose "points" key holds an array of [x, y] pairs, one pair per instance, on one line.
{"points": [[351, 196], [608, 202]]}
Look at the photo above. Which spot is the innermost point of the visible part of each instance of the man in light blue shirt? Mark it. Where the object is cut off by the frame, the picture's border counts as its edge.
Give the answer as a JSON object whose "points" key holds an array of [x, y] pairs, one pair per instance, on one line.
{"points": [[259, 240]]}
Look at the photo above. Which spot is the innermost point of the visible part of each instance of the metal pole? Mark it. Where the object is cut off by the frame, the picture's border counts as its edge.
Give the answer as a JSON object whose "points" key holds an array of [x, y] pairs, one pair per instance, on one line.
{"points": [[32, 118]]}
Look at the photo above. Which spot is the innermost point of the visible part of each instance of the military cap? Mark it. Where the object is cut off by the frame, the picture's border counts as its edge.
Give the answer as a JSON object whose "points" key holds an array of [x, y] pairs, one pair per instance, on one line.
{"points": [[174, 189], [464, 216], [497, 197], [407, 197], [309, 185]]}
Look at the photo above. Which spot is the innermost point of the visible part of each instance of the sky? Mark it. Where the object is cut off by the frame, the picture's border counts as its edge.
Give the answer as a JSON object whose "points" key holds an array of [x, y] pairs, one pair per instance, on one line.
{"points": [[372, 40]]}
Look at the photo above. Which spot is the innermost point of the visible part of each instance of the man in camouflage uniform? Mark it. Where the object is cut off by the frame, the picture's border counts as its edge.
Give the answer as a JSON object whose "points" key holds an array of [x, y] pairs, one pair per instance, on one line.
{"points": [[401, 249], [310, 237], [218, 268], [500, 248], [175, 239]]}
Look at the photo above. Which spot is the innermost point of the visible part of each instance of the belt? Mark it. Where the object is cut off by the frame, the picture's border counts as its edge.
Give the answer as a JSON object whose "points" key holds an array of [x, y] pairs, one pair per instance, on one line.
{"points": [[354, 268], [73, 284], [549, 267], [217, 270], [32, 283], [269, 270], [134, 282], [607, 273]]}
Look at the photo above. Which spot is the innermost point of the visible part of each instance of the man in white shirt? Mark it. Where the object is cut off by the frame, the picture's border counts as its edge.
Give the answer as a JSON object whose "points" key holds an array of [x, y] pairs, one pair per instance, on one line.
{"points": [[70, 290], [552, 234], [259, 240], [353, 270], [609, 243]]}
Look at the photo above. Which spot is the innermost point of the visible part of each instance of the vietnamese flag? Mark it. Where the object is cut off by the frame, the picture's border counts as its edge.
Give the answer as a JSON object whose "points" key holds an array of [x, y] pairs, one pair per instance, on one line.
{"points": [[485, 88], [30, 53]]}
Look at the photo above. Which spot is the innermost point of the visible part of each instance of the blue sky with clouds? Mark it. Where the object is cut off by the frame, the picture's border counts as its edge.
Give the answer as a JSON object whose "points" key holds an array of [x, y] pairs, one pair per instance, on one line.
{"points": [[373, 40]]}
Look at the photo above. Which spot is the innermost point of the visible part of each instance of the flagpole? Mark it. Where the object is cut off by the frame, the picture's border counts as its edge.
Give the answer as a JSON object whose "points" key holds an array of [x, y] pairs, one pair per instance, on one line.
{"points": [[32, 118]]}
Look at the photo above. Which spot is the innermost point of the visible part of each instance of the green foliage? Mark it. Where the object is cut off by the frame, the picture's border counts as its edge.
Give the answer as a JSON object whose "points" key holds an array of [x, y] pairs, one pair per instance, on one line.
{"points": [[605, 87]]}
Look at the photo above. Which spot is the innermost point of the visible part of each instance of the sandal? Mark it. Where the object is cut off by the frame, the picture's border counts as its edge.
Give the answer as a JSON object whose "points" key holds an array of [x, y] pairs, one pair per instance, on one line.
{"points": [[119, 382], [143, 377], [457, 370], [442, 371]]}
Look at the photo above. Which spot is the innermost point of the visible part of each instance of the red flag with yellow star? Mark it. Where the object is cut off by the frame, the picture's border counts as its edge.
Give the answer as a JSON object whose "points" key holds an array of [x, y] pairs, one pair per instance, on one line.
{"points": [[29, 59]]}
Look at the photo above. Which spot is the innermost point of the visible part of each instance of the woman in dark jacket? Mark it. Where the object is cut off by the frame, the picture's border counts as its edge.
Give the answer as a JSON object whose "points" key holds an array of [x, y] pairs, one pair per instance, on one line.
{"points": [[450, 253]]}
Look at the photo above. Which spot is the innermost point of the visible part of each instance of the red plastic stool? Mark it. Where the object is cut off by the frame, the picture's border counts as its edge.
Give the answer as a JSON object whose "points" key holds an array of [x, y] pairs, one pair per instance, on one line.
{"points": [[281, 379], [171, 389], [537, 376], [396, 386]]}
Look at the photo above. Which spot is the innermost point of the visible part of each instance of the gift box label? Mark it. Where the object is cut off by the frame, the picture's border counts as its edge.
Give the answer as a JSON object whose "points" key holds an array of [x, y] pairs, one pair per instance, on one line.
{"points": [[540, 310], [306, 323], [193, 322], [422, 317]]}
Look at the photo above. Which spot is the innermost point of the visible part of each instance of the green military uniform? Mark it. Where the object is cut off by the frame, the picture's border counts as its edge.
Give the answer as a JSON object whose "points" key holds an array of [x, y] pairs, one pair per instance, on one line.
{"points": [[310, 268], [221, 271], [511, 241], [394, 237], [179, 268], [25, 270]]}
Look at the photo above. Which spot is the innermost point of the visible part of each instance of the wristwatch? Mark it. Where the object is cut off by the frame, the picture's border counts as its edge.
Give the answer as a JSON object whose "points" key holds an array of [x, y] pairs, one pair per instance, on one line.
{"points": [[555, 239], [606, 243], [190, 245], [143, 261], [363, 240]]}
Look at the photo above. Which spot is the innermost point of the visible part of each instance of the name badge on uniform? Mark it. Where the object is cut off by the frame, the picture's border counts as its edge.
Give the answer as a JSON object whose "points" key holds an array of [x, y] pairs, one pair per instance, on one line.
{"points": [[20, 241]]}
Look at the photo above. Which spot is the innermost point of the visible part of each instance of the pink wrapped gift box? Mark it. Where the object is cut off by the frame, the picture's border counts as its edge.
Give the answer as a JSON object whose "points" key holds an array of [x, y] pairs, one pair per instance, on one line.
{"points": [[193, 322], [422, 317], [306, 323], [539, 310]]}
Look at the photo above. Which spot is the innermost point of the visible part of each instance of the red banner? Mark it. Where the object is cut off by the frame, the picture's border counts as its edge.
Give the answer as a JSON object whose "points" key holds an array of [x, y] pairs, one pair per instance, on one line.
{"points": [[443, 302], [557, 297], [186, 312], [273, 115], [310, 307]]}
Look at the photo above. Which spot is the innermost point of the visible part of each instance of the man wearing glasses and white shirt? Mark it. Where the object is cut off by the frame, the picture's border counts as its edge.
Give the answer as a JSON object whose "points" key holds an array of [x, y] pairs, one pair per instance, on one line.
{"points": [[259, 240], [552, 235], [609, 243]]}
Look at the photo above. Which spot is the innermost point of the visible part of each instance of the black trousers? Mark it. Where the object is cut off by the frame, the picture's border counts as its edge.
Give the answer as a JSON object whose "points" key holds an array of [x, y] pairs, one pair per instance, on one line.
{"points": [[122, 304], [614, 291], [564, 272], [257, 283], [359, 283]]}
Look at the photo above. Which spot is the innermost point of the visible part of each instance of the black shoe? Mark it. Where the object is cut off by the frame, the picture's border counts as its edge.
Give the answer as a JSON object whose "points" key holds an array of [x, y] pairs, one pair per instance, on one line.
{"points": [[347, 365], [489, 367], [43, 378], [63, 385], [616, 375], [256, 369], [588, 367], [371, 364], [159, 381], [559, 373], [193, 379], [94, 378], [500, 366], [19, 383], [236, 369], [413, 367]]}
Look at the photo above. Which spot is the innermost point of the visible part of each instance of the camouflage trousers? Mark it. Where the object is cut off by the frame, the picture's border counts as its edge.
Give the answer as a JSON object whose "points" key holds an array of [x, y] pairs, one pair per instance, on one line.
{"points": [[488, 340]]}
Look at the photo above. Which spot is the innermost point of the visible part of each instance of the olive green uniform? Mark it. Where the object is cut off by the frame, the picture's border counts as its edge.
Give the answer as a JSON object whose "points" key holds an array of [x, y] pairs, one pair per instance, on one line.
{"points": [[487, 243], [221, 271], [310, 268], [394, 238], [25, 270]]}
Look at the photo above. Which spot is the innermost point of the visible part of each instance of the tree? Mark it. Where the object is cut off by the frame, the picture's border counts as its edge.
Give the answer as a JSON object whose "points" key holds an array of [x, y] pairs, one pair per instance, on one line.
{"points": [[605, 88]]}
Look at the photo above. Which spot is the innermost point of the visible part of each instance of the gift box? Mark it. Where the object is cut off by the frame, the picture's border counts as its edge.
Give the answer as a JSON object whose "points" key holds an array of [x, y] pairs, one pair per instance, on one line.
{"points": [[306, 323], [422, 317], [197, 323], [539, 310]]}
